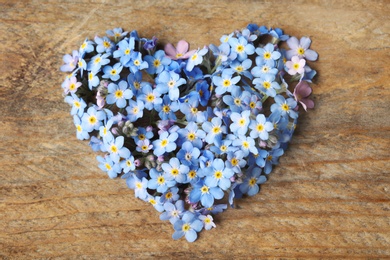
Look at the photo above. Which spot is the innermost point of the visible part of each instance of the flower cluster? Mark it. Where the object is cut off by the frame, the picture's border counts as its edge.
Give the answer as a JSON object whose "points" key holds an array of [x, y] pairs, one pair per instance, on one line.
{"points": [[189, 130]]}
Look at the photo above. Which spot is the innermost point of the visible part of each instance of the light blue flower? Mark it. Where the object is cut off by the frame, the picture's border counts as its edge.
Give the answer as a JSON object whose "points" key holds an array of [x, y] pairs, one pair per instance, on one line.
{"points": [[188, 154], [260, 127], [104, 44], [174, 170], [166, 143], [235, 101], [139, 186], [108, 165], [218, 175], [251, 183], [159, 181], [150, 97], [267, 84], [135, 110], [92, 119], [235, 161], [205, 193], [246, 144], [124, 51], [192, 134], [214, 130], [284, 107], [157, 62], [116, 149], [86, 47], [226, 82], [272, 159], [196, 58], [268, 54], [241, 47], [173, 212], [118, 94], [262, 68], [78, 104], [128, 164], [240, 122], [166, 109], [136, 63], [242, 68], [93, 79], [81, 131], [98, 61], [188, 226], [169, 82], [112, 72]]}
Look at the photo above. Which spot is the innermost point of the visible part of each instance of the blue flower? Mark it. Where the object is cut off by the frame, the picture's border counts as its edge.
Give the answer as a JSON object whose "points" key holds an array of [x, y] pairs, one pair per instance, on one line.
{"points": [[104, 44], [116, 149], [78, 104], [171, 195], [241, 47], [235, 161], [202, 87], [272, 159], [143, 133], [222, 147], [240, 122], [112, 72], [218, 175], [159, 181], [150, 97], [155, 201], [207, 221], [267, 84], [196, 58], [174, 170], [128, 164], [173, 212], [108, 165], [188, 226], [251, 183], [188, 154], [284, 107], [166, 109], [70, 61], [166, 143], [118, 94], [136, 83], [268, 54], [139, 186], [97, 62], [157, 62], [81, 131], [260, 127], [135, 110], [93, 79], [169, 82], [235, 101], [261, 69], [214, 130], [226, 82], [136, 63], [192, 134], [86, 47], [92, 119], [205, 193], [242, 67], [246, 144], [125, 48], [143, 146], [191, 111], [117, 33]]}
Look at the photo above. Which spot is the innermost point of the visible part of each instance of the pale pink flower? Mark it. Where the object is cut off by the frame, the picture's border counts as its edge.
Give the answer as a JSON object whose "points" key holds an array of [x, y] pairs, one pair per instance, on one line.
{"points": [[296, 65], [180, 52]]}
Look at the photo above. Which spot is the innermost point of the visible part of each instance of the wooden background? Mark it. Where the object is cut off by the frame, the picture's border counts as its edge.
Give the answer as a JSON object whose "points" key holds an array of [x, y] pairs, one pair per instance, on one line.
{"points": [[329, 198]]}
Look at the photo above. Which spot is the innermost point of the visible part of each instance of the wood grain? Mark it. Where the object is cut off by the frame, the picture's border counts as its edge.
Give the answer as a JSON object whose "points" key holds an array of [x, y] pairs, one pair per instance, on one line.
{"points": [[328, 198]]}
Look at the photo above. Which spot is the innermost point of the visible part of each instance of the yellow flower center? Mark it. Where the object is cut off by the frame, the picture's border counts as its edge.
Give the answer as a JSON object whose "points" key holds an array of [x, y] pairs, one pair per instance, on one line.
{"points": [[260, 127], [164, 143], [150, 97], [266, 84], [178, 55], [240, 48], [108, 166], [127, 51], [138, 185], [252, 105], [166, 109], [241, 122], [171, 83], [97, 60], [223, 148], [186, 227], [234, 161], [192, 174], [137, 62], [174, 171], [160, 180], [204, 189], [285, 107], [113, 72], [106, 44], [245, 144], [216, 130], [168, 195], [226, 83], [79, 128], [114, 149], [239, 69], [118, 94], [267, 55], [191, 136], [156, 63], [300, 51], [218, 174], [252, 182], [128, 163], [77, 104], [136, 85], [141, 137], [237, 101], [72, 86], [194, 57], [92, 120]]}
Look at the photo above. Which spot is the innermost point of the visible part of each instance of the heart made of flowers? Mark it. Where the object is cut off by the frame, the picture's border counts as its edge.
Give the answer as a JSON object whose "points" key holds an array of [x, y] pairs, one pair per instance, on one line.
{"points": [[189, 130]]}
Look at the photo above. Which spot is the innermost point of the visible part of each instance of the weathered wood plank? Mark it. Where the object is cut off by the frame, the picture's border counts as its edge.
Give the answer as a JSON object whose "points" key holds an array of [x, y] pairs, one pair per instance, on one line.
{"points": [[328, 198]]}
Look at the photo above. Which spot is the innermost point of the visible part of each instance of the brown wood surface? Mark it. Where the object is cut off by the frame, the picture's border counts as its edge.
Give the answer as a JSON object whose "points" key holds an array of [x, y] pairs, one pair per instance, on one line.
{"points": [[328, 198]]}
